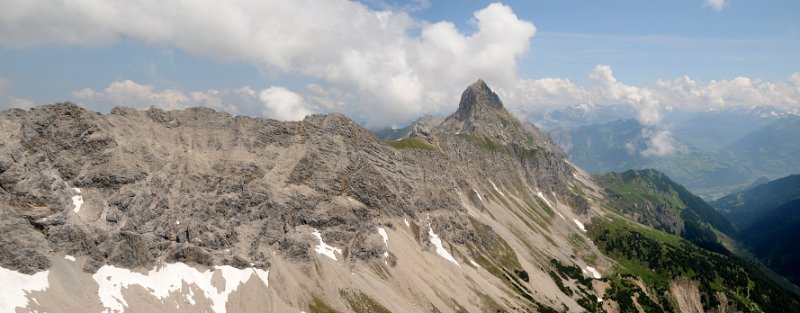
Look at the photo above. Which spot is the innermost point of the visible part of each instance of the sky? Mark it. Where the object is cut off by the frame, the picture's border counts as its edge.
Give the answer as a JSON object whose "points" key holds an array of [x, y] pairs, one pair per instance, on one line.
{"points": [[385, 63]]}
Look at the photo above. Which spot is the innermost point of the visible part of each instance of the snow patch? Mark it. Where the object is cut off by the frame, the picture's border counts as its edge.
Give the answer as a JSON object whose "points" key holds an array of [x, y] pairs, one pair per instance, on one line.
{"points": [[439, 248], [599, 300], [406, 221], [474, 264], [385, 237], [168, 279], [594, 272], [15, 286], [77, 200], [323, 248], [580, 225], [495, 188], [69, 258]]}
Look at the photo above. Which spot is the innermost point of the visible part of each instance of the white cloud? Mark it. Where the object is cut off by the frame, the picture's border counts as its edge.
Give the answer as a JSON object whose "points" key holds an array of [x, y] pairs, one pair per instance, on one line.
{"points": [[283, 104], [717, 5], [660, 143], [385, 74], [274, 102], [652, 102], [741, 91], [131, 94]]}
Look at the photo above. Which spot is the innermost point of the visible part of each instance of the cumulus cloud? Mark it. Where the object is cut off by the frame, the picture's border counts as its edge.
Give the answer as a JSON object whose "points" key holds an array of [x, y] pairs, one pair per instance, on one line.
{"points": [[282, 104], [274, 102], [660, 143], [131, 94], [652, 102], [719, 94], [717, 5], [367, 55]]}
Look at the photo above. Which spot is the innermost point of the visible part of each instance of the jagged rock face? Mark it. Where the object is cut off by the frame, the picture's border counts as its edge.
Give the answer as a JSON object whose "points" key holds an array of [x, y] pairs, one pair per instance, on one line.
{"points": [[480, 111], [136, 189], [477, 99]]}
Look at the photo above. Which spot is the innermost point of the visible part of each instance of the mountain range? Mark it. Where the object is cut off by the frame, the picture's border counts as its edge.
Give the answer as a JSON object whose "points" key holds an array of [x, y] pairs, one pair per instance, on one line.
{"points": [[711, 156], [196, 210]]}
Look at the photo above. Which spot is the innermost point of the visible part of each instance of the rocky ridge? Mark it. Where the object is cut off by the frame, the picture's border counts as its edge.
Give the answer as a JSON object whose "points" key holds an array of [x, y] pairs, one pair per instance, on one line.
{"points": [[478, 213]]}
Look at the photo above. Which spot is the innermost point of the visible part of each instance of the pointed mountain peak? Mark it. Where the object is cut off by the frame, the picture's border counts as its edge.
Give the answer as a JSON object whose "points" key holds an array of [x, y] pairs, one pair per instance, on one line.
{"points": [[481, 112], [477, 96]]}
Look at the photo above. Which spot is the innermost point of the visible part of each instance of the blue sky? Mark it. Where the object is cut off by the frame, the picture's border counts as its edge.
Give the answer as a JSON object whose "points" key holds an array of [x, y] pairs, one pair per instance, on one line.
{"points": [[52, 50]]}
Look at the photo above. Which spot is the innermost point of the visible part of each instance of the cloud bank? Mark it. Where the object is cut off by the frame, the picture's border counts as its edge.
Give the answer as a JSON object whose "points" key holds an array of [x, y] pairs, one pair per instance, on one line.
{"points": [[365, 54], [381, 66], [275, 102], [654, 101]]}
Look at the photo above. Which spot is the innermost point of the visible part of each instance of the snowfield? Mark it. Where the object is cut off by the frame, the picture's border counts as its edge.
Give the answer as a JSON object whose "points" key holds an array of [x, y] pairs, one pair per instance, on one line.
{"points": [[163, 281], [14, 286]]}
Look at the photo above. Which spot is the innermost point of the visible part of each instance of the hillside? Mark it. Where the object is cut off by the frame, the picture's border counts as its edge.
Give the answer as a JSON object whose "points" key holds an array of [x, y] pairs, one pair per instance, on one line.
{"points": [[768, 217], [196, 210], [773, 238], [652, 199]]}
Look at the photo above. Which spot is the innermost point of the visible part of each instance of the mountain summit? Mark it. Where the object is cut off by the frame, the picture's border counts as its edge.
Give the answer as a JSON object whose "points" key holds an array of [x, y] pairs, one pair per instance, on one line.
{"points": [[477, 98], [480, 112]]}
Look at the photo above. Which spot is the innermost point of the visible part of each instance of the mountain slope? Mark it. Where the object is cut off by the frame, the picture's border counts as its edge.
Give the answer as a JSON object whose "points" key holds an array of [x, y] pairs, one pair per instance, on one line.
{"points": [[773, 238], [651, 198], [326, 215], [768, 217], [195, 210]]}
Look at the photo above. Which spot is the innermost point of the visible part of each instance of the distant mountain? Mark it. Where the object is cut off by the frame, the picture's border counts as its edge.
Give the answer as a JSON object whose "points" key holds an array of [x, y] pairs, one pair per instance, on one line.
{"points": [[714, 130], [651, 198], [580, 115], [772, 151], [746, 207], [616, 146]]}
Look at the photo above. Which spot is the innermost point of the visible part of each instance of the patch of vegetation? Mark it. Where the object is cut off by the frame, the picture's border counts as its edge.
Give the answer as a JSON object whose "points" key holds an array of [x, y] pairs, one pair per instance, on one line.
{"points": [[362, 303], [657, 258], [485, 143], [624, 291], [319, 306], [659, 202], [409, 143]]}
